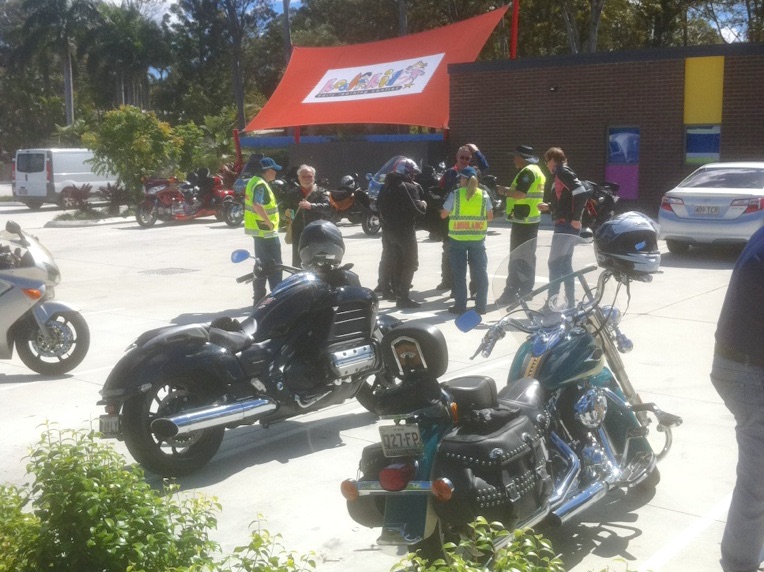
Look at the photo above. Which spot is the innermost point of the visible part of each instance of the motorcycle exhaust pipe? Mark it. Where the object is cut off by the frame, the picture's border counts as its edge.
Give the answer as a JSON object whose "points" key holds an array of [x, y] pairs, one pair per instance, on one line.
{"points": [[579, 503], [212, 416]]}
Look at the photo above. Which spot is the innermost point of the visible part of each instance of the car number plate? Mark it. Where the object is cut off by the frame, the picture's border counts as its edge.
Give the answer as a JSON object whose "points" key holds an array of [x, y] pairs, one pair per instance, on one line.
{"points": [[706, 211], [109, 425], [401, 440]]}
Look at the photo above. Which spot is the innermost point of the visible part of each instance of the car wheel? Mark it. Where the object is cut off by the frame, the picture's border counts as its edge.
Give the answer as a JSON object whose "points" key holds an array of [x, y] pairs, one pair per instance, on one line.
{"points": [[676, 247]]}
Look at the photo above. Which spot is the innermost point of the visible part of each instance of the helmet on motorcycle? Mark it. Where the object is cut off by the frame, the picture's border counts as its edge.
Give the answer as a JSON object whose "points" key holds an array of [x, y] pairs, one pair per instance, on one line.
{"points": [[348, 183], [406, 167], [321, 245], [628, 245]]}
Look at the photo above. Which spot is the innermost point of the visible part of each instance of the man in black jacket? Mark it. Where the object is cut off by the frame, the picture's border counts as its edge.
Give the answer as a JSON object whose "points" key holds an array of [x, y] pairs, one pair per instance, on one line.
{"points": [[400, 204], [307, 202]]}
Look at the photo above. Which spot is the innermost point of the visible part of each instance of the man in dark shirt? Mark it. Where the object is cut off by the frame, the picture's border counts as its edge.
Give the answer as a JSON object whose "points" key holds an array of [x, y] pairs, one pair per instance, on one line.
{"points": [[399, 205], [738, 375]]}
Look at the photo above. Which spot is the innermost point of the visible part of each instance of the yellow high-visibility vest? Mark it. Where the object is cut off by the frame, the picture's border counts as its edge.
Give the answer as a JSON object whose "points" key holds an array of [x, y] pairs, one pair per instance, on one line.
{"points": [[252, 219], [468, 220], [533, 197]]}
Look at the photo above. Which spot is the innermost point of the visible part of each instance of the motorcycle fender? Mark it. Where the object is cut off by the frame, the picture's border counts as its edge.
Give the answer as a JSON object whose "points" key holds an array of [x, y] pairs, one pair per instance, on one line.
{"points": [[408, 519], [45, 311], [140, 369]]}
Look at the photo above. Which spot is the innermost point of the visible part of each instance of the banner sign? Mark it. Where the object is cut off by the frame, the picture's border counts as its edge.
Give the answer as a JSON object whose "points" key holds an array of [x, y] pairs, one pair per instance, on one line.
{"points": [[400, 81]]}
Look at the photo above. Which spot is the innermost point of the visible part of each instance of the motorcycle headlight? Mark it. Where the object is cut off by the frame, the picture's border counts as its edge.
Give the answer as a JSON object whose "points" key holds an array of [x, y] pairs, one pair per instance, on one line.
{"points": [[591, 408]]}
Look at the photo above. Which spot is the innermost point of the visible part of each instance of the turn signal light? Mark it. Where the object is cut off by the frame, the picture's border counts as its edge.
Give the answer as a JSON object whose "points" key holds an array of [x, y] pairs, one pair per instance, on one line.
{"points": [[349, 490], [33, 293], [442, 489], [454, 412], [752, 205], [395, 477], [666, 203]]}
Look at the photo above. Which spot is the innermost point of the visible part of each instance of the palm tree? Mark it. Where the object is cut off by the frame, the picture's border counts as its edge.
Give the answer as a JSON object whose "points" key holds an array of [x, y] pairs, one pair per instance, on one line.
{"points": [[124, 48], [53, 26]]}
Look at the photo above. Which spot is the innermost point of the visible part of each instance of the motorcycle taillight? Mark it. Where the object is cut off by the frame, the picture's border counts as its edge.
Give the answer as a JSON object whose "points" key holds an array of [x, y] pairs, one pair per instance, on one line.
{"points": [[395, 477]]}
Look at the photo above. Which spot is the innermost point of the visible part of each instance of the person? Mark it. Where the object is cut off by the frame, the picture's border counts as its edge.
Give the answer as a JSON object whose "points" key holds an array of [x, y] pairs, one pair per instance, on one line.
{"points": [[469, 210], [523, 198], [261, 221], [466, 155], [399, 204], [305, 203], [564, 199], [737, 373]]}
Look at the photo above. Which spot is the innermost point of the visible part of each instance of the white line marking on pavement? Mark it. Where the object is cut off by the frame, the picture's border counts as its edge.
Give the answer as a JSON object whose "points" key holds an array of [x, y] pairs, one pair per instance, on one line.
{"points": [[679, 543], [102, 311]]}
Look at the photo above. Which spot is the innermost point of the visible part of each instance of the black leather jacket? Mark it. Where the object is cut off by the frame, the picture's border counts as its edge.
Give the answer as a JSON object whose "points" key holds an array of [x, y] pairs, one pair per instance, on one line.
{"points": [[570, 204]]}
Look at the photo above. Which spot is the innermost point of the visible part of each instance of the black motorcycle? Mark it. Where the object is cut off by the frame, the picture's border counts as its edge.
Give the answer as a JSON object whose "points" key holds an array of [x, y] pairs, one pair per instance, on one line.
{"points": [[352, 202], [314, 341]]}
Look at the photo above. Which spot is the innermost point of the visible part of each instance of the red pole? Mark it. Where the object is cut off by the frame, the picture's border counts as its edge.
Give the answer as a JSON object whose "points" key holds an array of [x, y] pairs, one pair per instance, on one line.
{"points": [[515, 25], [297, 134]]}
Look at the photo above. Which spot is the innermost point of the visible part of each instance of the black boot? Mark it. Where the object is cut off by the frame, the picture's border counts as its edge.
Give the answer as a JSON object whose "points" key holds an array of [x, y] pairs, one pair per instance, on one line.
{"points": [[403, 303]]}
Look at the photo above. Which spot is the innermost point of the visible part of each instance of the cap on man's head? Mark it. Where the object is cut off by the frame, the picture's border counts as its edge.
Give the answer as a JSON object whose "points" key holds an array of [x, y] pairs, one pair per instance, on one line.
{"points": [[468, 172], [526, 152], [268, 163]]}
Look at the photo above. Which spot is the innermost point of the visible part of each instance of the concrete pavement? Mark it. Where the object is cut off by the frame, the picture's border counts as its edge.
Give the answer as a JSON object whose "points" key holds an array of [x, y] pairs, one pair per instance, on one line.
{"points": [[127, 280]]}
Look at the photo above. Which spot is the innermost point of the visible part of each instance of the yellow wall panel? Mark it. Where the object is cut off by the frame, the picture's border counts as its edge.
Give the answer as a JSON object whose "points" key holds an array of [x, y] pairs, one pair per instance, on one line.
{"points": [[703, 90]]}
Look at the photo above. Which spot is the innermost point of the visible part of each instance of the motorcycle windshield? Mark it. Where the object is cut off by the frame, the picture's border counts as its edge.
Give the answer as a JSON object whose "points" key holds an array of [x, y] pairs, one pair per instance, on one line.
{"points": [[26, 256]]}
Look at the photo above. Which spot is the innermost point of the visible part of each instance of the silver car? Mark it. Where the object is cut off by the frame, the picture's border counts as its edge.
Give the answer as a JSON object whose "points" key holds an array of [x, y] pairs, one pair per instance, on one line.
{"points": [[719, 204]]}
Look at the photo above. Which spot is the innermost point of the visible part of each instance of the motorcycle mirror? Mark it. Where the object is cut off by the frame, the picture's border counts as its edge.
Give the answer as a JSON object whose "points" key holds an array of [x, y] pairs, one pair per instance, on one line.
{"points": [[468, 320], [369, 176], [13, 227], [239, 255]]}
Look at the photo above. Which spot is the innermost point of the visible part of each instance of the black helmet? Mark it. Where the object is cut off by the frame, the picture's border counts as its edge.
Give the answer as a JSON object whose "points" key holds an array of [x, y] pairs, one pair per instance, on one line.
{"points": [[406, 167], [348, 183], [628, 245], [321, 244]]}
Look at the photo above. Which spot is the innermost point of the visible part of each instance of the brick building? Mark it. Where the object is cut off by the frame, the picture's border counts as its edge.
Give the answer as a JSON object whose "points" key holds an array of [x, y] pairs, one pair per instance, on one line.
{"points": [[675, 107]]}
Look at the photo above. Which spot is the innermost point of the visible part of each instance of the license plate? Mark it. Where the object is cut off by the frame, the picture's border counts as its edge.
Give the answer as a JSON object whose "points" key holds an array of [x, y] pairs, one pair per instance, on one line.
{"points": [[706, 211], [109, 425], [401, 440]]}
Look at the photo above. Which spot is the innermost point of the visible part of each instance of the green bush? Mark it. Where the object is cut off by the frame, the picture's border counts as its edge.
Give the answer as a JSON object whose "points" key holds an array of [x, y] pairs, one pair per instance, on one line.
{"points": [[519, 551], [92, 513]]}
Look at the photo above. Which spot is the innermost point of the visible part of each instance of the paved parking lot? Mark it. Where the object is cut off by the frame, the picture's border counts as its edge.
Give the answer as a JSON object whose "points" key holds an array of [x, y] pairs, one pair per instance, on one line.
{"points": [[127, 280]]}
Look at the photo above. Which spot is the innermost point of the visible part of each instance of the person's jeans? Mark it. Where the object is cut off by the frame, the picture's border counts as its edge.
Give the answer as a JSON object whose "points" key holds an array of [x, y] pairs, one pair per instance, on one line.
{"points": [[742, 389], [460, 254], [561, 261], [268, 251]]}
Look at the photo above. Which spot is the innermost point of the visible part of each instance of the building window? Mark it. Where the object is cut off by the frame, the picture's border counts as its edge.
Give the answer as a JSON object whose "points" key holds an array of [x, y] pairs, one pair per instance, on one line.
{"points": [[702, 144]]}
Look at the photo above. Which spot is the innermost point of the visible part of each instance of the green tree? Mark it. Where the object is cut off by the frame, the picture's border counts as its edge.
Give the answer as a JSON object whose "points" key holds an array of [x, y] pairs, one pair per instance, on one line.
{"points": [[133, 144], [53, 27]]}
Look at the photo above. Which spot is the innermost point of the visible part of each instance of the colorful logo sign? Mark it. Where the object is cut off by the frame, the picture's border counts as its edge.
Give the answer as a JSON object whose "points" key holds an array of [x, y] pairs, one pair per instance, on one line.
{"points": [[390, 79]]}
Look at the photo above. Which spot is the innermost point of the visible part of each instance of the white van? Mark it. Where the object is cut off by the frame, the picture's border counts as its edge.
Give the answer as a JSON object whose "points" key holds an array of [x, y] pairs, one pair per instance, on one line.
{"points": [[39, 175]]}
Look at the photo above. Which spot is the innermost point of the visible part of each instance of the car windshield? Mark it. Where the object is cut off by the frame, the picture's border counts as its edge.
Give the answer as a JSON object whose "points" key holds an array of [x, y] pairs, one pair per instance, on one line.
{"points": [[731, 177]]}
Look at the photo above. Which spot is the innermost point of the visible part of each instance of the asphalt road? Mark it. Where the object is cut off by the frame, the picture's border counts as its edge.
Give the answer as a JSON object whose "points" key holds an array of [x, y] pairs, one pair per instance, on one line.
{"points": [[127, 280]]}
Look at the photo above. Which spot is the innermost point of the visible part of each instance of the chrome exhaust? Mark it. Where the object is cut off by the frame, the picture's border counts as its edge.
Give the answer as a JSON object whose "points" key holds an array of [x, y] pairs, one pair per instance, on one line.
{"points": [[579, 503], [238, 412]]}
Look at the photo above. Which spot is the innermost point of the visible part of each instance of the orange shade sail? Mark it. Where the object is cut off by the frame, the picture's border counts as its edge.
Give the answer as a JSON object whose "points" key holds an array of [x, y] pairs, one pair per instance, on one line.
{"points": [[398, 81]]}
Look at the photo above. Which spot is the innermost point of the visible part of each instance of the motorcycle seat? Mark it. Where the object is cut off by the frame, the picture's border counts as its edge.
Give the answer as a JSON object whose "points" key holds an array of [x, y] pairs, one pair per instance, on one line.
{"points": [[525, 394], [232, 341], [472, 392]]}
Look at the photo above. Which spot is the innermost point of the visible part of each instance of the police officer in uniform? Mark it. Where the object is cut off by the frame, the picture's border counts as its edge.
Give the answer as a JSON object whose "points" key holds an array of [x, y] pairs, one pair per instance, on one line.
{"points": [[523, 198], [261, 221]]}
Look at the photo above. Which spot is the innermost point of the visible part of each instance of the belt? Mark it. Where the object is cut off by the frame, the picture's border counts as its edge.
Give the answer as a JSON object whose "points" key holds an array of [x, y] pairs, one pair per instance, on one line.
{"points": [[740, 357]]}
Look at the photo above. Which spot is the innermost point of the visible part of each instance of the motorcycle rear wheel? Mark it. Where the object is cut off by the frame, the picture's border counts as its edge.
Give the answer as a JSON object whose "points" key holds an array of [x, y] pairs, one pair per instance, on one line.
{"points": [[233, 213], [179, 455], [69, 341], [146, 214], [370, 224]]}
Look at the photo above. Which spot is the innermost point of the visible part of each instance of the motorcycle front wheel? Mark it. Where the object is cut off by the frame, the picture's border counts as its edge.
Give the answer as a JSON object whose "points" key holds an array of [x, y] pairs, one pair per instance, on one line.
{"points": [[233, 213], [370, 224], [64, 349], [146, 214], [174, 456]]}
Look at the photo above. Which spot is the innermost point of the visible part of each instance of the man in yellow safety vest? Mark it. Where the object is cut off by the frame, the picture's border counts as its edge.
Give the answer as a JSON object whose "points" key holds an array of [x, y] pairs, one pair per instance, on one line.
{"points": [[261, 221], [523, 198]]}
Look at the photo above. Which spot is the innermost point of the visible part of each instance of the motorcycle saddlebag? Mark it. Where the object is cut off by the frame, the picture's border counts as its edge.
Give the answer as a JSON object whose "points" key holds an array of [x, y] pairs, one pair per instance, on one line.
{"points": [[500, 475]]}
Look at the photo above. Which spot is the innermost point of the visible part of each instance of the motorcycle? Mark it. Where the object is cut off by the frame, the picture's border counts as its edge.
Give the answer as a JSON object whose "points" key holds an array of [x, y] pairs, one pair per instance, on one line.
{"points": [[311, 343], [567, 428], [51, 337], [201, 195], [350, 201]]}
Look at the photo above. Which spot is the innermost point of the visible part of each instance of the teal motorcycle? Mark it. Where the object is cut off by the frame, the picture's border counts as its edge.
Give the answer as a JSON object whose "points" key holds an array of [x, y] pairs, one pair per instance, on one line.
{"points": [[567, 428]]}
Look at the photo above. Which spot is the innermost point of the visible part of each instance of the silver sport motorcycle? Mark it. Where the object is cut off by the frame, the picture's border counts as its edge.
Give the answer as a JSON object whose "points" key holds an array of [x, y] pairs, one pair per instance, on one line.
{"points": [[51, 337]]}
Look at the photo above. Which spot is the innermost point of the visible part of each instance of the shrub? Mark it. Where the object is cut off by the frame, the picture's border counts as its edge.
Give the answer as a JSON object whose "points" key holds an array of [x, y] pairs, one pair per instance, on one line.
{"points": [[92, 513]]}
